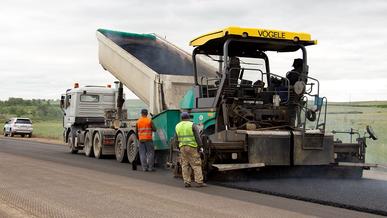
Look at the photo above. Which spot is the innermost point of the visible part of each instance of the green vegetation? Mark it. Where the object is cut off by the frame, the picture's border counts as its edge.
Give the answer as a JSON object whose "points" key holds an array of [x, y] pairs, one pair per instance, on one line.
{"points": [[47, 119], [48, 129], [343, 116], [36, 109], [46, 115]]}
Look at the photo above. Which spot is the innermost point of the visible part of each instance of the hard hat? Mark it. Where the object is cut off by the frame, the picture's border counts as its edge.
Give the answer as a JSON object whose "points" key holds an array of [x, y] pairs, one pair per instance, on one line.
{"points": [[297, 62], [185, 115]]}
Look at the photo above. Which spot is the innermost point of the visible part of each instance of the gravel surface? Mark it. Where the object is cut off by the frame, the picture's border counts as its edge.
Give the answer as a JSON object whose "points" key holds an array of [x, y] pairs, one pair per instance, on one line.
{"points": [[43, 180]]}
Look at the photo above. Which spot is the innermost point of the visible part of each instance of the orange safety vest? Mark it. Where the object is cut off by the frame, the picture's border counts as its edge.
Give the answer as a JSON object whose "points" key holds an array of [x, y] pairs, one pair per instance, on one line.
{"points": [[144, 128]]}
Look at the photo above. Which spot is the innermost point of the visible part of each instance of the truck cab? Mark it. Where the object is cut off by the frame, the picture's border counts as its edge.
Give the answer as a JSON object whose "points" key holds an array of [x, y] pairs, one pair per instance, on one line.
{"points": [[85, 107]]}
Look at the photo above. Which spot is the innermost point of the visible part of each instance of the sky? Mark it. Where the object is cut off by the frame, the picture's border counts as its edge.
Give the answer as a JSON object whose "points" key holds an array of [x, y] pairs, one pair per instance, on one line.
{"points": [[48, 45]]}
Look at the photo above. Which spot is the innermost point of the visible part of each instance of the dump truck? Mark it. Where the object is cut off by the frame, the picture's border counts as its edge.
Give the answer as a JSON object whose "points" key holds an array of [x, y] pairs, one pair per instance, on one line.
{"points": [[159, 73], [249, 116]]}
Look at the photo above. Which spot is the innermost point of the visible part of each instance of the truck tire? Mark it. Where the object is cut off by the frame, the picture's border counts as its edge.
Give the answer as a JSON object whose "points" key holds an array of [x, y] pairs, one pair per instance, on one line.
{"points": [[120, 148], [97, 145], [5, 133], [132, 149], [89, 151], [30, 135], [10, 133], [70, 143]]}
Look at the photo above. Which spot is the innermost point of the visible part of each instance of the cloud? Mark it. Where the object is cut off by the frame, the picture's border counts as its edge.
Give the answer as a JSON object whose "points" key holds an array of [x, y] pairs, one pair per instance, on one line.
{"points": [[48, 45]]}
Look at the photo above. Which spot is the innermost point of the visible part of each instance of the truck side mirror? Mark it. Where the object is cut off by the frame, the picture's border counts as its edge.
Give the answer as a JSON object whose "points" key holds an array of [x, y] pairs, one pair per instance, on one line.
{"points": [[62, 101]]}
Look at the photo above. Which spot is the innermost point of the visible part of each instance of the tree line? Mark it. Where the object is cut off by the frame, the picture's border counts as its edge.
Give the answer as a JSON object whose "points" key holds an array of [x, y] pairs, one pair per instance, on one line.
{"points": [[35, 109]]}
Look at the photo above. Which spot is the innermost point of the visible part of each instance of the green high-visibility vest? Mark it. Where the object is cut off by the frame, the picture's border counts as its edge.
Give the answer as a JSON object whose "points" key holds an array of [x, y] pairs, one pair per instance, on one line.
{"points": [[185, 134]]}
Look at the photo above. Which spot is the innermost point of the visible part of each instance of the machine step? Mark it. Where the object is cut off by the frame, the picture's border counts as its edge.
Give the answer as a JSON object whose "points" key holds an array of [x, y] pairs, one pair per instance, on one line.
{"points": [[227, 167]]}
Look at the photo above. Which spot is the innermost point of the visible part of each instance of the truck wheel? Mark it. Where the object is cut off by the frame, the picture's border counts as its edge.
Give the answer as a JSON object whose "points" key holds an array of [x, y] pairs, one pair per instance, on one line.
{"points": [[10, 133], [22, 135], [97, 146], [119, 148], [132, 149], [4, 132], [70, 143], [30, 135], [89, 152]]}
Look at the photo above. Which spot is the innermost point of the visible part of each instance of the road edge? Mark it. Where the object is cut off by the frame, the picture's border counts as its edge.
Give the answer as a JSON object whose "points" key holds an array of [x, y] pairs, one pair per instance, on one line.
{"points": [[35, 139]]}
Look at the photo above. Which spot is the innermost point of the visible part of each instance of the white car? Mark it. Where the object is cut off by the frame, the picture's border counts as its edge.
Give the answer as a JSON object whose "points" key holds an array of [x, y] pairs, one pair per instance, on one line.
{"points": [[18, 126]]}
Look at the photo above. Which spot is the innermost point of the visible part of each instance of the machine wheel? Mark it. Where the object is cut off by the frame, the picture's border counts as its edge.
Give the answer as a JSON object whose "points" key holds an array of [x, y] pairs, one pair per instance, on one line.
{"points": [[89, 152], [132, 149], [70, 143], [120, 148], [97, 145]]}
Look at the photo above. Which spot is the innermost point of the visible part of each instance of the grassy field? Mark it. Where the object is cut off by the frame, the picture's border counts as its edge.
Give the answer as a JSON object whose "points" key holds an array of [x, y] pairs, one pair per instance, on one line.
{"points": [[343, 116], [48, 129]]}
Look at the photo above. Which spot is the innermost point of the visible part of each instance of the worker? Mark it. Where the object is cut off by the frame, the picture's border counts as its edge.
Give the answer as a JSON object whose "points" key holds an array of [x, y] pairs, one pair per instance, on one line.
{"points": [[189, 140], [144, 129], [294, 75]]}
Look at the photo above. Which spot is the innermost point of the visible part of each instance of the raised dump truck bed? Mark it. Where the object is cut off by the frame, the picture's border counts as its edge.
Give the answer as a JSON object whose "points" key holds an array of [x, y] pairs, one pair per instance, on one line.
{"points": [[156, 71]]}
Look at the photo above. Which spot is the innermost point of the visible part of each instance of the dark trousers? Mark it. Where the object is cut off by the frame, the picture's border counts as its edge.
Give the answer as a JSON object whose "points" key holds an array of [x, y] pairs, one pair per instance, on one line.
{"points": [[147, 155]]}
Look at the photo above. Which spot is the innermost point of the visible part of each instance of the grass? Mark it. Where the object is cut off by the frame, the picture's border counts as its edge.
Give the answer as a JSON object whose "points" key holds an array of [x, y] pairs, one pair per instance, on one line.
{"points": [[48, 129], [341, 117]]}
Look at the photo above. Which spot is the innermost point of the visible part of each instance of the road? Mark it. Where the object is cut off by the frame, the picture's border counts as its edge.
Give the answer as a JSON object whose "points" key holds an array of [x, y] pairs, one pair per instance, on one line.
{"points": [[43, 180]]}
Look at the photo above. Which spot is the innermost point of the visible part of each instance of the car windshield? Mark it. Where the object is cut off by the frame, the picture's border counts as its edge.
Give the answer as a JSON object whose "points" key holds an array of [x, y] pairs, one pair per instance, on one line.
{"points": [[23, 121]]}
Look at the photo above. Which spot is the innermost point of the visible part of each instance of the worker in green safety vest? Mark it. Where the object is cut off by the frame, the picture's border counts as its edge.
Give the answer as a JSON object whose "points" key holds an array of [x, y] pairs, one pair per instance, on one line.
{"points": [[189, 140]]}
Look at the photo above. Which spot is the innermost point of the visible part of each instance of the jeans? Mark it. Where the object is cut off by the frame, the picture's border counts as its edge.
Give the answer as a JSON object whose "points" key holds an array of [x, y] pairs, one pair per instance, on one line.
{"points": [[147, 155]]}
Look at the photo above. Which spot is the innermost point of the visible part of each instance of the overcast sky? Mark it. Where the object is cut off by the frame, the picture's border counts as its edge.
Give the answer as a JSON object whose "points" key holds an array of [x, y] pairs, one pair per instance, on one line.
{"points": [[47, 45]]}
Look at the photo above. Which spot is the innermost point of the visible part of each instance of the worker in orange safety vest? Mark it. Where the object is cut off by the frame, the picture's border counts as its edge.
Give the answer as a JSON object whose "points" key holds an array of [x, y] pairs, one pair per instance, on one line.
{"points": [[144, 129]]}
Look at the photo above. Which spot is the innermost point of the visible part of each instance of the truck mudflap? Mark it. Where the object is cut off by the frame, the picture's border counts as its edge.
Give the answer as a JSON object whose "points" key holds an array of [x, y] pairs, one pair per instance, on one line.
{"points": [[238, 166]]}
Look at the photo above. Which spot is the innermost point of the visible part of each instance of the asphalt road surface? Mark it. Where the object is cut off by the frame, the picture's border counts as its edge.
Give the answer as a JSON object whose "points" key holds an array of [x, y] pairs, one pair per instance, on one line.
{"points": [[43, 180]]}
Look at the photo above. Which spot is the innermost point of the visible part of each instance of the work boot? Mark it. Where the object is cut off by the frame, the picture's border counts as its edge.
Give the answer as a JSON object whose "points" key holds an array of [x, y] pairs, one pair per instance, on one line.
{"points": [[187, 185], [200, 185], [134, 167]]}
